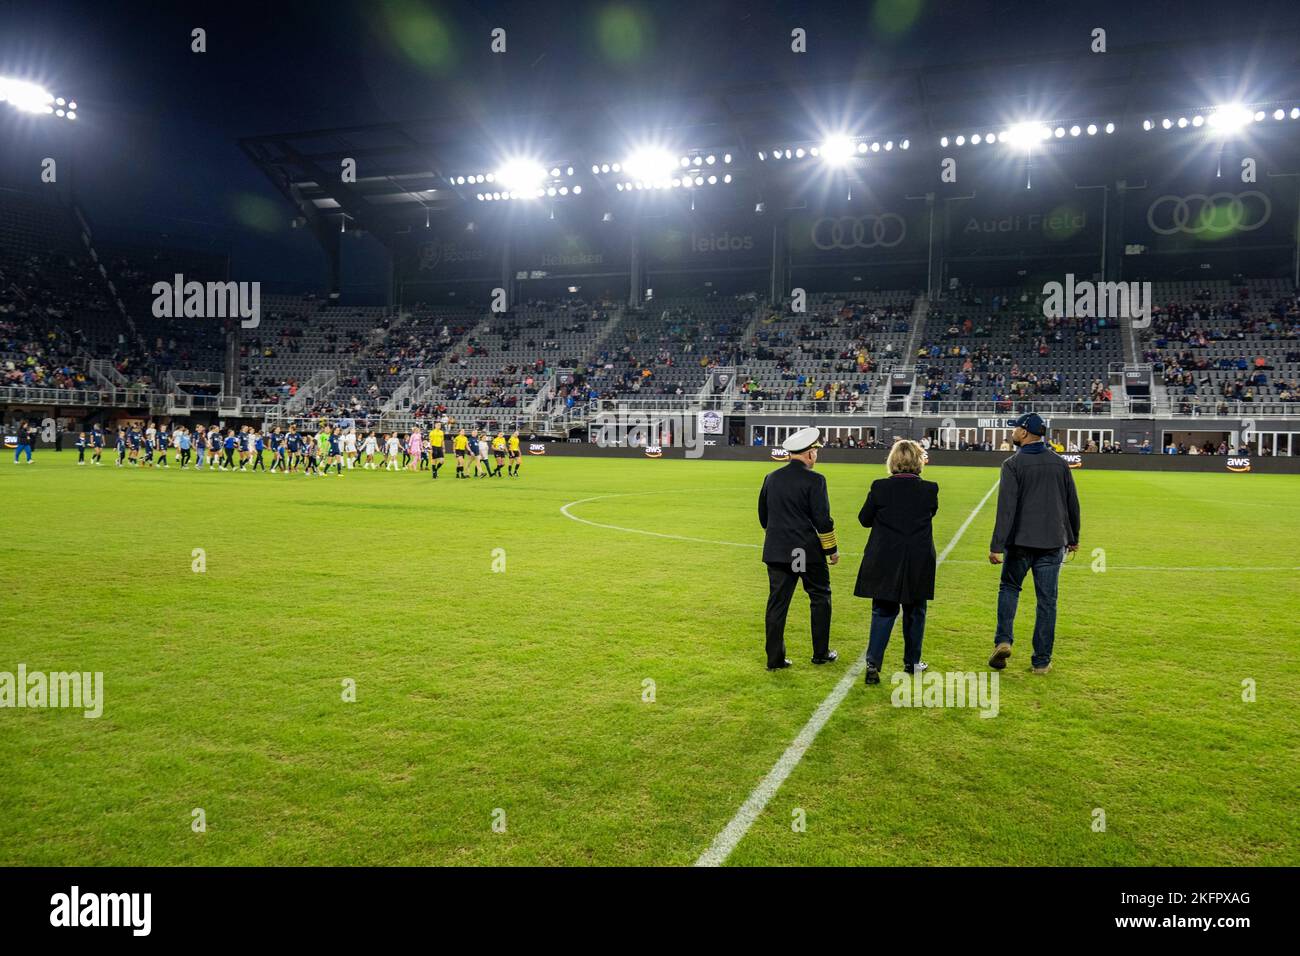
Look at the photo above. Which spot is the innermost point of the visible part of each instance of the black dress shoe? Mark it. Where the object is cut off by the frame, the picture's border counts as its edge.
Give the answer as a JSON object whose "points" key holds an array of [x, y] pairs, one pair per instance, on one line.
{"points": [[873, 674], [830, 656], [777, 667], [920, 666]]}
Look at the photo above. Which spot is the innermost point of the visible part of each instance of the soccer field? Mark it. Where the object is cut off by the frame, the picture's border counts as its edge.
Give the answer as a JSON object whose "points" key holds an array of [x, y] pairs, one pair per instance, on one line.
{"points": [[501, 633]]}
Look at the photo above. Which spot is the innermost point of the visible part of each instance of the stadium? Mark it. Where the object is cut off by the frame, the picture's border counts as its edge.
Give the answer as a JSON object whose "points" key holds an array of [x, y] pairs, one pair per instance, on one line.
{"points": [[516, 316]]}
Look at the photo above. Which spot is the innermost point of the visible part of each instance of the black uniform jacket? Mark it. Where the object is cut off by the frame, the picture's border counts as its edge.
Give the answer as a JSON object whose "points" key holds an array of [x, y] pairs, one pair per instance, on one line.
{"points": [[898, 564], [795, 511]]}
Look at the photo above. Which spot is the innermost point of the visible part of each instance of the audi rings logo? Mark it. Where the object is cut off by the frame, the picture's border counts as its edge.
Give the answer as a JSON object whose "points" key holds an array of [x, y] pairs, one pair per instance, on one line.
{"points": [[1216, 213], [866, 232]]}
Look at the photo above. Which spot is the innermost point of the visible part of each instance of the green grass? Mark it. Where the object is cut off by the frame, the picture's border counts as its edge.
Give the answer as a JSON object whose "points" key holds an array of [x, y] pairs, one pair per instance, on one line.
{"points": [[523, 690]]}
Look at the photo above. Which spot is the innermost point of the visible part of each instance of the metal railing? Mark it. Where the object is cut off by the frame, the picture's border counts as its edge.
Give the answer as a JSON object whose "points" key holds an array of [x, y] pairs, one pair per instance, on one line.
{"points": [[98, 397]]}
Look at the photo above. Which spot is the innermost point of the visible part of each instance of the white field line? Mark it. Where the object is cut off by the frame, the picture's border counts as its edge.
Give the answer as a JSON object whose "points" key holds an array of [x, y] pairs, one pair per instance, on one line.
{"points": [[735, 830], [749, 544], [654, 534], [730, 836]]}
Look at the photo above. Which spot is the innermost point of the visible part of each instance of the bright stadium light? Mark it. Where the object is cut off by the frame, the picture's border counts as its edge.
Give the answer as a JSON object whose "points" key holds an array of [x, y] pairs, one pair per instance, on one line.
{"points": [[837, 150], [650, 164], [521, 176], [1231, 117], [29, 97], [1022, 135]]}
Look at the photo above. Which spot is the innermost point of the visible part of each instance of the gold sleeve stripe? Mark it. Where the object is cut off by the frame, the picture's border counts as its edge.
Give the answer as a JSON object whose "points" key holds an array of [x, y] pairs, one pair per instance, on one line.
{"points": [[827, 539]]}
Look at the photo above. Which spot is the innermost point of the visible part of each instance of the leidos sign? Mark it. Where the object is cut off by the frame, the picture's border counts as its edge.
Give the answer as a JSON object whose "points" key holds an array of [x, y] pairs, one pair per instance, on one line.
{"points": [[721, 242]]}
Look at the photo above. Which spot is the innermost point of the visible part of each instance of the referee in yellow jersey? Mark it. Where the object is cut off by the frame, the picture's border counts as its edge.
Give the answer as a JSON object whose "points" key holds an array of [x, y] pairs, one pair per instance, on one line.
{"points": [[436, 454], [512, 446], [460, 448]]}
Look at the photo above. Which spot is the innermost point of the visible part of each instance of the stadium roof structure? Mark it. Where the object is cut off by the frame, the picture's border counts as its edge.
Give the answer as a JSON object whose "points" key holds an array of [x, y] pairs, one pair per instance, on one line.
{"points": [[411, 172]]}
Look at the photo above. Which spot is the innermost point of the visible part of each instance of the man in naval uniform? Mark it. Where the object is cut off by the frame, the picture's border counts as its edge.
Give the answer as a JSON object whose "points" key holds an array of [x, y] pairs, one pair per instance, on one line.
{"points": [[795, 511]]}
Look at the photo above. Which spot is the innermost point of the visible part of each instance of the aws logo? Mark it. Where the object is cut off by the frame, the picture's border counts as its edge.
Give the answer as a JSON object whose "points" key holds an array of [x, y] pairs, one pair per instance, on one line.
{"points": [[1074, 461], [780, 454], [1238, 464], [654, 451], [537, 448]]}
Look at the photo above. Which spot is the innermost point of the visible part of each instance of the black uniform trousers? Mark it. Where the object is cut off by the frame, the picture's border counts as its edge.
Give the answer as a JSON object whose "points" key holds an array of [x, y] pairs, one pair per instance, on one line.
{"points": [[781, 579]]}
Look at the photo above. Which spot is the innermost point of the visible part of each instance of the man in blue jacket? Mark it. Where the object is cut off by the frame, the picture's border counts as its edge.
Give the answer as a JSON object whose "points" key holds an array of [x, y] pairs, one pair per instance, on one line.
{"points": [[1037, 524]]}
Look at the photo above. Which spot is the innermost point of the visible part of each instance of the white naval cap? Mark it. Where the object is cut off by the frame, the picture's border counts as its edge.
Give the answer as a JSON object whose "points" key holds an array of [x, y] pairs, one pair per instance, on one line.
{"points": [[802, 440]]}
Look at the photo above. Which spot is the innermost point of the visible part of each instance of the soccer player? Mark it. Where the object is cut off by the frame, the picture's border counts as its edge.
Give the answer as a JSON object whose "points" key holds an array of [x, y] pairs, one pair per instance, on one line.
{"points": [[460, 447], [350, 448], [228, 446], [499, 452], [183, 441], [369, 447], [336, 452], [97, 440], [162, 445], [436, 453], [293, 447], [415, 444], [515, 457], [392, 447], [200, 446], [483, 450], [311, 452], [259, 446], [473, 450]]}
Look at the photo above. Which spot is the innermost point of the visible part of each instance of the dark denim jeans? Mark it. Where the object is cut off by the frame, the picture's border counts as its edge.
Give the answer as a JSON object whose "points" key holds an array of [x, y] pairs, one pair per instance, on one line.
{"points": [[882, 622], [1046, 566]]}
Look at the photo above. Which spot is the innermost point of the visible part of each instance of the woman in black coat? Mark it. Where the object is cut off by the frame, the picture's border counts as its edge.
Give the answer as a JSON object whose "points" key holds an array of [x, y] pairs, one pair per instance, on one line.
{"points": [[898, 565]]}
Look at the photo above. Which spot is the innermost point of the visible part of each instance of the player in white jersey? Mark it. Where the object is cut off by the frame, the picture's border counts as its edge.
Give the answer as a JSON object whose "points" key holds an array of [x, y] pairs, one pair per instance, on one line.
{"points": [[350, 447], [369, 447], [392, 448]]}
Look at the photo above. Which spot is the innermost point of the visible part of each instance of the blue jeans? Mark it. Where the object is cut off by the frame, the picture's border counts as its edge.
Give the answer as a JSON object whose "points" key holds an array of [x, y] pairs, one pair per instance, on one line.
{"points": [[19, 451], [1046, 566], [882, 622]]}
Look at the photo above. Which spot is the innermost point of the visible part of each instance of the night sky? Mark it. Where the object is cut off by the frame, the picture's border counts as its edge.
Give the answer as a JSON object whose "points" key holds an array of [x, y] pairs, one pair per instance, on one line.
{"points": [[156, 142]]}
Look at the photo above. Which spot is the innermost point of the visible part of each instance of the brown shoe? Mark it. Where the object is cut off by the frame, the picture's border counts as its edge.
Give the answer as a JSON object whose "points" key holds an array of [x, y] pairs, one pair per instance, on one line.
{"points": [[1000, 655], [1042, 670]]}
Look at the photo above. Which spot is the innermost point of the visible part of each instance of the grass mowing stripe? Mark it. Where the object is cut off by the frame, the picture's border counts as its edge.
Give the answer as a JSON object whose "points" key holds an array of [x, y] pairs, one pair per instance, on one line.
{"points": [[739, 825]]}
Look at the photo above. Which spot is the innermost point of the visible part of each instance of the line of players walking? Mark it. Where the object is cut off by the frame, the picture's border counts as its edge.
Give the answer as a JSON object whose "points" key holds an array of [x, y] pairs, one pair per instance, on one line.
{"points": [[477, 454]]}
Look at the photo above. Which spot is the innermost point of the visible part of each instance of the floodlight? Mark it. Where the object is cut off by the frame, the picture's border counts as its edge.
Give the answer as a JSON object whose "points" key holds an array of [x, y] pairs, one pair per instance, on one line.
{"points": [[1295, 112], [1166, 123], [650, 164], [961, 140], [1278, 114], [1022, 135], [1110, 128], [837, 150], [26, 97], [521, 175], [943, 140], [1092, 129]]}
